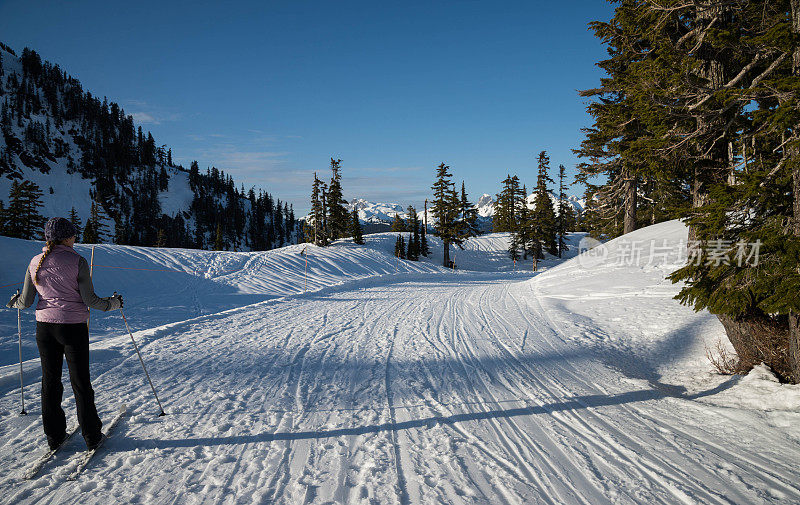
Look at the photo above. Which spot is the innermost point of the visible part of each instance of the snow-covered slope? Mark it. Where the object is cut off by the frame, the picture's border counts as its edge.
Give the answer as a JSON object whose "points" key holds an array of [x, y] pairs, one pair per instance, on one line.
{"points": [[583, 383], [168, 285], [616, 298]]}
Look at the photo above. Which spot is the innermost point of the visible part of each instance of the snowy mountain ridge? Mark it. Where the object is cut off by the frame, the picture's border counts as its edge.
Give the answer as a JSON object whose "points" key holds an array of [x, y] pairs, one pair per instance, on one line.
{"points": [[379, 213]]}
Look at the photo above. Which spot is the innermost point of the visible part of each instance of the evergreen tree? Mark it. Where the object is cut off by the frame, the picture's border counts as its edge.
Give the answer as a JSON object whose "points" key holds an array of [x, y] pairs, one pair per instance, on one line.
{"points": [[523, 227], [355, 228], [468, 216], [417, 225], [317, 212], [219, 242], [123, 163], [122, 232], [445, 210], [414, 246], [565, 216], [613, 145], [98, 232], [76, 222], [400, 247], [338, 217], [13, 213], [542, 219], [704, 96], [424, 250], [514, 246], [161, 240], [505, 218], [398, 224], [199, 237], [325, 228], [23, 217], [89, 233], [194, 175]]}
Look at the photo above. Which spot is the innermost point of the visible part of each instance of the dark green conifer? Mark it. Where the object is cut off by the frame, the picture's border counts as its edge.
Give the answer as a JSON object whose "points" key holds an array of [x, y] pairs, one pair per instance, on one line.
{"points": [[76, 222], [355, 228], [219, 242], [398, 224], [445, 211], [424, 250], [542, 219], [338, 217]]}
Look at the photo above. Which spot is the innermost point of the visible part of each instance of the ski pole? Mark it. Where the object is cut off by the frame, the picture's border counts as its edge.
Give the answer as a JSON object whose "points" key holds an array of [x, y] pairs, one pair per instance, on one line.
{"points": [[142, 362], [21, 382], [91, 269]]}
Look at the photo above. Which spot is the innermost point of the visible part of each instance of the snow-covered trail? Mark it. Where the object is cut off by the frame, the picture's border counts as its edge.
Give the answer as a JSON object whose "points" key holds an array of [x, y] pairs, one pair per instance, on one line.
{"points": [[434, 388]]}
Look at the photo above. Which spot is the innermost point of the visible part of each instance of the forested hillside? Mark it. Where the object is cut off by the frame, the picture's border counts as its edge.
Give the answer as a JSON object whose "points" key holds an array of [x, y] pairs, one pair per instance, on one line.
{"points": [[64, 151]]}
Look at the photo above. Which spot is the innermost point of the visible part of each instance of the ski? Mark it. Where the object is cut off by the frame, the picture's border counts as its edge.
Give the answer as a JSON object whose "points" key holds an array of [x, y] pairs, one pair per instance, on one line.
{"points": [[34, 469], [87, 456]]}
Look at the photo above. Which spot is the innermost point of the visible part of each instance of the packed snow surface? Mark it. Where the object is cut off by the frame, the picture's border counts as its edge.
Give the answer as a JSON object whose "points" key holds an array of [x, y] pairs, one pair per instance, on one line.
{"points": [[387, 381]]}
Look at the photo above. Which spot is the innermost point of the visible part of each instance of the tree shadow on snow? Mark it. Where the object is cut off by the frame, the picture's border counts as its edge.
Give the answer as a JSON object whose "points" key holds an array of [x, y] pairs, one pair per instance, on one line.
{"points": [[644, 363], [576, 403]]}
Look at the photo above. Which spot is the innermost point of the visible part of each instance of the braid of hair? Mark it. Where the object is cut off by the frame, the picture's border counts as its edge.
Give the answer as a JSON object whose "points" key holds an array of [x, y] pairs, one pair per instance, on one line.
{"points": [[50, 246]]}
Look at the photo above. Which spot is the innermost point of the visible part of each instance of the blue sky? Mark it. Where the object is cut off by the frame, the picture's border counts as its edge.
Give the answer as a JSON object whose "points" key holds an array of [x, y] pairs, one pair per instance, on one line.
{"points": [[269, 91]]}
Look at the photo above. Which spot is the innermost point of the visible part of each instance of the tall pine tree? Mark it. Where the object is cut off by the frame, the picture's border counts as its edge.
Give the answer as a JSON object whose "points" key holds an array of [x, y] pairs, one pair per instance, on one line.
{"points": [[445, 210], [541, 222], [338, 217], [76, 222]]}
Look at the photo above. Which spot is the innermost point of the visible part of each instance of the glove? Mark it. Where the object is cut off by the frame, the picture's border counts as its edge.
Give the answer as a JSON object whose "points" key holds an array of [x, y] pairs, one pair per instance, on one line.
{"points": [[13, 303], [115, 302]]}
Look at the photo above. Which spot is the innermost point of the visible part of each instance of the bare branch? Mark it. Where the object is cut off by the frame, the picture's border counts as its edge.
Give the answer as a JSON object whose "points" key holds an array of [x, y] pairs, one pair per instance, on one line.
{"points": [[790, 139], [741, 74], [769, 70], [702, 36], [772, 172]]}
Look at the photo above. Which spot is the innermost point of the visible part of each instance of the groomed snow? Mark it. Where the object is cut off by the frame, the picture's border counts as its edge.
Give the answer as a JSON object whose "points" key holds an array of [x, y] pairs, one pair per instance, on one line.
{"points": [[398, 382]]}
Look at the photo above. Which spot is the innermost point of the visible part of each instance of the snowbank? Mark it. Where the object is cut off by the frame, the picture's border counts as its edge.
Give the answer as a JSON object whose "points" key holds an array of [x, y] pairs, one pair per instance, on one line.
{"points": [[616, 299]]}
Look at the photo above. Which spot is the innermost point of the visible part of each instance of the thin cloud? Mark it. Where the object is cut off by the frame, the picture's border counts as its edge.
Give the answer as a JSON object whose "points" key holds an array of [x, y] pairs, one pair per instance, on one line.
{"points": [[144, 118], [145, 113], [387, 169]]}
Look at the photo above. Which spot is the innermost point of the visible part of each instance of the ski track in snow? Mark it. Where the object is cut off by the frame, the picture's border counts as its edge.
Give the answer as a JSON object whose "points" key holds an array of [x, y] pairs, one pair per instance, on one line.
{"points": [[415, 388]]}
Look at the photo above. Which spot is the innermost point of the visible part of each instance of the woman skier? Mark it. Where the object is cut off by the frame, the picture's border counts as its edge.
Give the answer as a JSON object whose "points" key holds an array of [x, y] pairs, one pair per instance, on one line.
{"points": [[61, 277]]}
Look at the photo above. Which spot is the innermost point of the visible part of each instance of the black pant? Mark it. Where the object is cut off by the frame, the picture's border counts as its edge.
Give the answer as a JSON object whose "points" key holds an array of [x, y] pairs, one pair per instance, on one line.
{"points": [[56, 340]]}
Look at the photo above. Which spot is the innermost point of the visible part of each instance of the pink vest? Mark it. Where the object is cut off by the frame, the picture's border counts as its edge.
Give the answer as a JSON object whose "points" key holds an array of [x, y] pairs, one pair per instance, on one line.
{"points": [[59, 298]]}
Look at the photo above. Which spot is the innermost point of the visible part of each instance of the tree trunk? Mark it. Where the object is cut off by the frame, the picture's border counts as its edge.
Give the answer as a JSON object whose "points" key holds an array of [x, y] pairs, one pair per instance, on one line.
{"points": [[759, 338], [794, 346], [631, 188], [714, 72], [446, 255], [697, 201]]}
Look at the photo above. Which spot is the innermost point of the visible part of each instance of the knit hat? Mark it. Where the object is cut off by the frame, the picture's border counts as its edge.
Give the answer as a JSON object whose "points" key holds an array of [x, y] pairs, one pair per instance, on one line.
{"points": [[59, 228]]}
